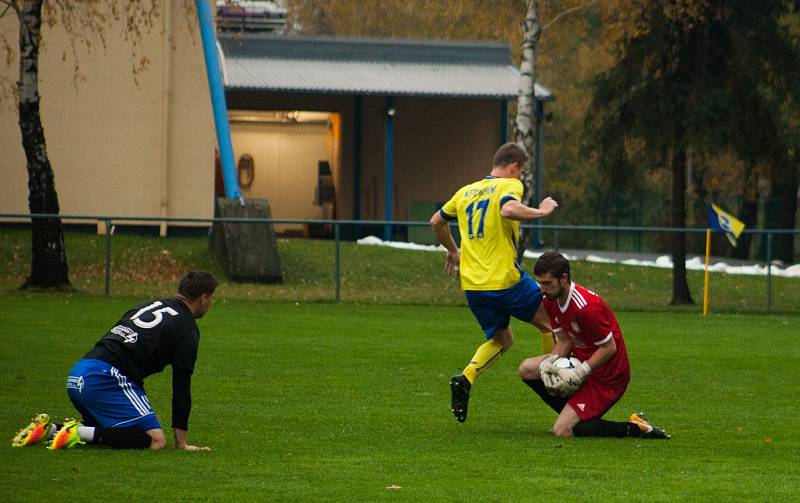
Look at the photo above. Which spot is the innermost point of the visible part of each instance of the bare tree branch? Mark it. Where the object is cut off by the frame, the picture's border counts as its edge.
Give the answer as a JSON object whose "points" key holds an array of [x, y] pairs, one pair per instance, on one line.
{"points": [[10, 4], [567, 12]]}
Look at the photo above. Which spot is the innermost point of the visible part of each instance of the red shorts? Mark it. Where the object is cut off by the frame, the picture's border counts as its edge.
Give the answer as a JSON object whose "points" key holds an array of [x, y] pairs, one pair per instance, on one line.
{"points": [[595, 398]]}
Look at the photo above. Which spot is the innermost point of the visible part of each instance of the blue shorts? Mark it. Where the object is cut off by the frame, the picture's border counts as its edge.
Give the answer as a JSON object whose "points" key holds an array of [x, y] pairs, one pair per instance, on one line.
{"points": [[494, 308], [105, 397]]}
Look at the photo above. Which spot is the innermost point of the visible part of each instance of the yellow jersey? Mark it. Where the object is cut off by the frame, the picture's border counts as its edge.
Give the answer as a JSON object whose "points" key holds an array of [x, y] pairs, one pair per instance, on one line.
{"points": [[488, 241]]}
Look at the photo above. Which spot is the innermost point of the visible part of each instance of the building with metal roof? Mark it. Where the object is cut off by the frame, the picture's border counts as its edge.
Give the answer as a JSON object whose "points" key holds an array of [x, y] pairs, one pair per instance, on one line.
{"points": [[399, 124], [372, 67]]}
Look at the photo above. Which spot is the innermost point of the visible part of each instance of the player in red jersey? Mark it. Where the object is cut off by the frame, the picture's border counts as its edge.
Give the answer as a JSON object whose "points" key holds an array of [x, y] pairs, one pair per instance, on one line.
{"points": [[585, 328]]}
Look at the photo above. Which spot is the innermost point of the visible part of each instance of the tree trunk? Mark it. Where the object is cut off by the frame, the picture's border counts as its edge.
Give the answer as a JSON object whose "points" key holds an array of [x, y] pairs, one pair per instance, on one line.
{"points": [[525, 108], [48, 255], [780, 209], [697, 204], [783, 246], [749, 211], [680, 288]]}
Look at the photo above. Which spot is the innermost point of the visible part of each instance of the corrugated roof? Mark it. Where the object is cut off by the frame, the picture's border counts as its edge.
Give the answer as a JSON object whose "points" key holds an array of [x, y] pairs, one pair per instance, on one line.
{"points": [[371, 67]]}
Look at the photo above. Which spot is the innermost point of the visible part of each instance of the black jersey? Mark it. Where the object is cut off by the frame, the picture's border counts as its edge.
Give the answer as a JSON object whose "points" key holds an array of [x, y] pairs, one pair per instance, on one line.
{"points": [[149, 337]]}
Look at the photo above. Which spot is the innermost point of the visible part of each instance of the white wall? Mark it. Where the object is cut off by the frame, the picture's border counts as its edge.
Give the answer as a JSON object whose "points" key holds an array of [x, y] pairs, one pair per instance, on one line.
{"points": [[118, 147], [285, 158]]}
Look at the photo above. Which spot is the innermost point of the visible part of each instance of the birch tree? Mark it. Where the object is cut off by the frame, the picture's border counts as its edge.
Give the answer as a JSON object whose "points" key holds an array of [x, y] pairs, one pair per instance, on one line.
{"points": [[48, 254], [526, 101]]}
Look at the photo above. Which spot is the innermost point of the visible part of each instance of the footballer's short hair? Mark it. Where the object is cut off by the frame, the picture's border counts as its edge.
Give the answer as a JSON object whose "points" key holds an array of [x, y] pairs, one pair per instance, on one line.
{"points": [[193, 284], [554, 263], [510, 153]]}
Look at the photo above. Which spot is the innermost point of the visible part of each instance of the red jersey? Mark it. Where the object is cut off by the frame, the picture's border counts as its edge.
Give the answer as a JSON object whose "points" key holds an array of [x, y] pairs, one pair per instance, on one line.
{"points": [[588, 321]]}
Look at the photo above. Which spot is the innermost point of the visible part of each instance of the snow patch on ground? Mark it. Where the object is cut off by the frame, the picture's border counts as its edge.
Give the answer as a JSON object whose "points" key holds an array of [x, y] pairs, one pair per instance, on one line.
{"points": [[663, 261]]}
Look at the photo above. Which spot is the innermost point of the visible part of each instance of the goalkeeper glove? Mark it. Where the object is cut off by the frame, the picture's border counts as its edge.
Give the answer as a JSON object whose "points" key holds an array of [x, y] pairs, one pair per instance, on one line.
{"points": [[546, 365], [572, 378], [583, 370], [552, 382]]}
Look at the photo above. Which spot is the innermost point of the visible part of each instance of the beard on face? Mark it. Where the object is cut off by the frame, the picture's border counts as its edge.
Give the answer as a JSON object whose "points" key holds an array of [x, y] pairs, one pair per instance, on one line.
{"points": [[555, 295]]}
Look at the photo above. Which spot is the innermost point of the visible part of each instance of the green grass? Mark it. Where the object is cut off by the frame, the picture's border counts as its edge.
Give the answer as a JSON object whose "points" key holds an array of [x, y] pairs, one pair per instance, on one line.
{"points": [[146, 266], [337, 402]]}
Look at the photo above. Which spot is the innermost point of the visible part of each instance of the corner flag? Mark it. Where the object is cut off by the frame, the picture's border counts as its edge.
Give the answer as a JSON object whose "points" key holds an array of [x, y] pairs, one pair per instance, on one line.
{"points": [[721, 221]]}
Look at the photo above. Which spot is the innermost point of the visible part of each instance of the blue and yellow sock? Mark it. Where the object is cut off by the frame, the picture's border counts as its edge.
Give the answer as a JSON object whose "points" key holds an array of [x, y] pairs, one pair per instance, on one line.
{"points": [[487, 353], [548, 342]]}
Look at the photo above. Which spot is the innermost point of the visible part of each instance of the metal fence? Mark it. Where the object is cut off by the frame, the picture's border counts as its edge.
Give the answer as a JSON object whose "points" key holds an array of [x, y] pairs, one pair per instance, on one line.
{"points": [[348, 230]]}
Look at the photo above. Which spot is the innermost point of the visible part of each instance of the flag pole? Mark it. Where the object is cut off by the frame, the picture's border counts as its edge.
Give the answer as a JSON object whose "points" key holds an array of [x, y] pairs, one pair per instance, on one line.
{"points": [[705, 282]]}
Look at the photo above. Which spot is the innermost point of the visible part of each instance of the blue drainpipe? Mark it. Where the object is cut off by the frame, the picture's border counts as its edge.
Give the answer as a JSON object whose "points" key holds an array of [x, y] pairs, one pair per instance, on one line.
{"points": [[215, 86], [503, 121], [387, 213]]}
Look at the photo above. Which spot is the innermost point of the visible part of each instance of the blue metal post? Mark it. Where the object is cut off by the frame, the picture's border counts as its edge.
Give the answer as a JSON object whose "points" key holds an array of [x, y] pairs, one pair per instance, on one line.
{"points": [[769, 272], [537, 163], [357, 105], [503, 121], [337, 266], [215, 86], [387, 214]]}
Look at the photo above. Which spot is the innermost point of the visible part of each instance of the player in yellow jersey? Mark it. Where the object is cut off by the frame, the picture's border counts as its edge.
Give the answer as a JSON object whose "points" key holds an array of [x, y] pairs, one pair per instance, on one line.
{"points": [[496, 288]]}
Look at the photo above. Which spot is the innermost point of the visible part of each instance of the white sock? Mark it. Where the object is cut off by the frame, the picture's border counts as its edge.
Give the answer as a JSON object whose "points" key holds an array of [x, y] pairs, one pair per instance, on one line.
{"points": [[86, 433], [51, 432]]}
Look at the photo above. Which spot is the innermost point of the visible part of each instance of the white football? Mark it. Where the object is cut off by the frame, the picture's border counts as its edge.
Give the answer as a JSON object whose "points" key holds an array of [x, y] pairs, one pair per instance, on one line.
{"points": [[564, 380], [566, 362]]}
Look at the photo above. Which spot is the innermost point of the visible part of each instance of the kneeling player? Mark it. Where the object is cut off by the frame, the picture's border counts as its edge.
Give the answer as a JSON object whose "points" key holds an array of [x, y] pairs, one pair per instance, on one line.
{"points": [[107, 385], [586, 328]]}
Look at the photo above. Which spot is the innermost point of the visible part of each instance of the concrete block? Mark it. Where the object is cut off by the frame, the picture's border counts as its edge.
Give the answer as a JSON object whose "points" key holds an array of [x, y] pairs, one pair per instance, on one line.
{"points": [[247, 251]]}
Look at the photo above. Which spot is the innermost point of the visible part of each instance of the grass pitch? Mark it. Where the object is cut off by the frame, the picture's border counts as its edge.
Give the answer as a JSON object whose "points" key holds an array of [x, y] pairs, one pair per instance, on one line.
{"points": [[325, 402]]}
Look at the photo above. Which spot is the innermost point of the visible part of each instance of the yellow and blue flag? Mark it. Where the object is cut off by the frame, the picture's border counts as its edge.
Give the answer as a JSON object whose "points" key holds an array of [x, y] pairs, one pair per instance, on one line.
{"points": [[722, 221]]}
